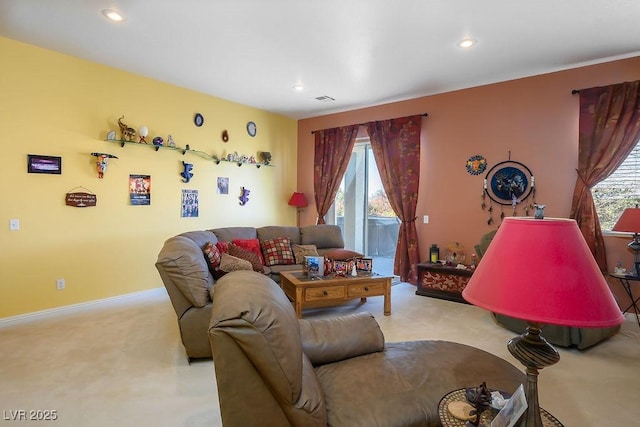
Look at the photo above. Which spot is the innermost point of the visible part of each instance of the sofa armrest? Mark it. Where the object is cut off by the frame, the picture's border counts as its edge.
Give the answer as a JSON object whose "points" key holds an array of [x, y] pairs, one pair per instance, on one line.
{"points": [[332, 340]]}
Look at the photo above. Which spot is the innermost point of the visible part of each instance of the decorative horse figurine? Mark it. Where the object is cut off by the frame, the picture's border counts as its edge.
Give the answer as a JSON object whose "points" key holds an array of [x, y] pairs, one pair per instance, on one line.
{"points": [[127, 133]]}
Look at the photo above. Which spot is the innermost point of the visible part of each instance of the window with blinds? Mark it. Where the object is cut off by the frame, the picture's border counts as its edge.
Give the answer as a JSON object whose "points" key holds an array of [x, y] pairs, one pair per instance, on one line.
{"points": [[621, 190]]}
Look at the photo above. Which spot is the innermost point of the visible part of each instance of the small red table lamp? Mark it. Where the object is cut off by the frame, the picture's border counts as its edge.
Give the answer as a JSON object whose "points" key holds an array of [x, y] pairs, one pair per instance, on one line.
{"points": [[541, 271], [299, 201], [629, 222]]}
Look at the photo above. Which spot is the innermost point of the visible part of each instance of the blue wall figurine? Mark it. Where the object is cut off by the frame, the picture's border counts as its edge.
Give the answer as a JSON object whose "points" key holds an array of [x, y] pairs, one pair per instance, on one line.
{"points": [[244, 196], [187, 174]]}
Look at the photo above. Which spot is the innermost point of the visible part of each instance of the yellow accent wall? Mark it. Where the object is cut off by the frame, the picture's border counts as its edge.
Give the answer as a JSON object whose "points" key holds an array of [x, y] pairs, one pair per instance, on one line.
{"points": [[57, 105]]}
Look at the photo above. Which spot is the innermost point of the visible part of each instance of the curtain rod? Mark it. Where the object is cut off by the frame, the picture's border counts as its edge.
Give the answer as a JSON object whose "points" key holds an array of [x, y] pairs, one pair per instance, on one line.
{"points": [[574, 91], [362, 124]]}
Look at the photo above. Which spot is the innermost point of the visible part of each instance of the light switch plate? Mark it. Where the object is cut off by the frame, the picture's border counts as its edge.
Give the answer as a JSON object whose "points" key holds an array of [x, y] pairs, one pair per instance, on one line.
{"points": [[14, 224]]}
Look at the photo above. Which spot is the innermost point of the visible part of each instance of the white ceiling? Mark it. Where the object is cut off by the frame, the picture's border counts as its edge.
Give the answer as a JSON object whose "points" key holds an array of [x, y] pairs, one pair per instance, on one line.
{"points": [[360, 52]]}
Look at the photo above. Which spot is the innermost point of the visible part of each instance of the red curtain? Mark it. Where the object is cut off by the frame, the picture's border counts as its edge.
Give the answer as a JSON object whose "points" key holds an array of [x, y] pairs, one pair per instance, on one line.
{"points": [[609, 129], [331, 157], [396, 148]]}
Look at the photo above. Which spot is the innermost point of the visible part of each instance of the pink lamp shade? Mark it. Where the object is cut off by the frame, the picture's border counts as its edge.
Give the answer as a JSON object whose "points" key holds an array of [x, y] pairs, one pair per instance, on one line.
{"points": [[542, 271], [629, 221], [298, 200]]}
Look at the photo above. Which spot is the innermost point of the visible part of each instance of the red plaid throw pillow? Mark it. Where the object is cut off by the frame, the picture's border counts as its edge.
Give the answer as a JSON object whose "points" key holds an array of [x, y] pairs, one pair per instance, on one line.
{"points": [[277, 251], [212, 254]]}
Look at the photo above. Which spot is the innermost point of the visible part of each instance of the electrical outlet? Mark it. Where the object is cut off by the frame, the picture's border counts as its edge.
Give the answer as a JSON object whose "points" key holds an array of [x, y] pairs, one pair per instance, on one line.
{"points": [[60, 284], [14, 224], [425, 219]]}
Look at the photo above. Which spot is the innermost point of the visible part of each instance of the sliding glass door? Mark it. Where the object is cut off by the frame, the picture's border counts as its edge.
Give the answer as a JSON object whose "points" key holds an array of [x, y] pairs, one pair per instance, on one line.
{"points": [[363, 212]]}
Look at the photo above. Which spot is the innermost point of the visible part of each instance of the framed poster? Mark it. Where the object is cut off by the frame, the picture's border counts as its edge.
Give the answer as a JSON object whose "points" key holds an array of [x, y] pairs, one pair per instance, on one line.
{"points": [[44, 164], [140, 189], [189, 203]]}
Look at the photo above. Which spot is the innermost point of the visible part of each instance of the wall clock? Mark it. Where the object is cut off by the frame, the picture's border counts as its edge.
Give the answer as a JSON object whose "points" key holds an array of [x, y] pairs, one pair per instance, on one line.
{"points": [[251, 129], [198, 119]]}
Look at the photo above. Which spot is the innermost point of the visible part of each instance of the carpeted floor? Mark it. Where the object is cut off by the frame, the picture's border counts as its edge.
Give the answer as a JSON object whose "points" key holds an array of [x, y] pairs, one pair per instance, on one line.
{"points": [[123, 364]]}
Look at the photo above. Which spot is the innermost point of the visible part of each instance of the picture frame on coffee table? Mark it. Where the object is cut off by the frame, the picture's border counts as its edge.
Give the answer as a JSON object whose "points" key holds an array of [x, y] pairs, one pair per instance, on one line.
{"points": [[364, 265]]}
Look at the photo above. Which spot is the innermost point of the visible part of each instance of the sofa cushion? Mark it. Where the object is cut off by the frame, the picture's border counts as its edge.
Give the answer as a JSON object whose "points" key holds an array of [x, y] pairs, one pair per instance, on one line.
{"points": [[339, 338], [212, 255], [341, 254], [246, 255], [231, 263], [250, 244], [201, 237], [183, 262], [277, 251], [323, 236], [227, 234], [300, 251], [271, 232]]}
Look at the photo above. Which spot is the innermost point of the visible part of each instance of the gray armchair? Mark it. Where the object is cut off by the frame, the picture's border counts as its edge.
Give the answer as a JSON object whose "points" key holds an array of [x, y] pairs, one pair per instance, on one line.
{"points": [[273, 369]]}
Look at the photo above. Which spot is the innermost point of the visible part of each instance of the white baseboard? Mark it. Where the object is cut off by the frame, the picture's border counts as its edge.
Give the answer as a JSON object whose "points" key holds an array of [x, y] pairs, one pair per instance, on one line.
{"points": [[84, 306]]}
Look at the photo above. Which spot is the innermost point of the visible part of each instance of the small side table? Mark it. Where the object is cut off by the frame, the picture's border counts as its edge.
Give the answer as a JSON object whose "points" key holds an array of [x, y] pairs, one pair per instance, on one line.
{"points": [[625, 280], [486, 417]]}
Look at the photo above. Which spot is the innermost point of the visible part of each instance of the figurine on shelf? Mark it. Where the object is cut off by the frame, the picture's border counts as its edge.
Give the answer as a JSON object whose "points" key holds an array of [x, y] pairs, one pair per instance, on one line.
{"points": [[102, 159], [266, 157], [143, 131], [158, 141], [127, 133], [170, 142], [244, 196], [252, 160], [187, 174]]}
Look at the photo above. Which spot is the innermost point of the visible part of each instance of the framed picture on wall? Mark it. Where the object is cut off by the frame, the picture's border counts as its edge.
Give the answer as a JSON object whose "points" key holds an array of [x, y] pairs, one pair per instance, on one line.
{"points": [[44, 164]]}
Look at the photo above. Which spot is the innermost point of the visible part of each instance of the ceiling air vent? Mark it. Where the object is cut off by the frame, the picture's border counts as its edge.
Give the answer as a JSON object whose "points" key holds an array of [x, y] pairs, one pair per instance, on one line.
{"points": [[325, 98]]}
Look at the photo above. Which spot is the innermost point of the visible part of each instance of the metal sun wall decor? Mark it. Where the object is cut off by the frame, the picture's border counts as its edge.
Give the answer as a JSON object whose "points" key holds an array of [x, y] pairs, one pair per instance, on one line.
{"points": [[476, 164], [508, 183]]}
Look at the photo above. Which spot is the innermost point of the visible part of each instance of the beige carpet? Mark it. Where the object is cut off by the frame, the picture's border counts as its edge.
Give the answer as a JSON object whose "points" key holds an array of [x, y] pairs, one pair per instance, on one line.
{"points": [[123, 364]]}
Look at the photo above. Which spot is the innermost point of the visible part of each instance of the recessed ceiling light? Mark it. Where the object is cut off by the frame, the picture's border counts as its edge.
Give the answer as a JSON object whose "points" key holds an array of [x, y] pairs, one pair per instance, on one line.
{"points": [[113, 15], [298, 88], [467, 43]]}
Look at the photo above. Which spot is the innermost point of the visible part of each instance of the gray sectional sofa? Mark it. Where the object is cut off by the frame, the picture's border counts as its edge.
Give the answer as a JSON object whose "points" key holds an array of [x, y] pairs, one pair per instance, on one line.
{"points": [[191, 285]]}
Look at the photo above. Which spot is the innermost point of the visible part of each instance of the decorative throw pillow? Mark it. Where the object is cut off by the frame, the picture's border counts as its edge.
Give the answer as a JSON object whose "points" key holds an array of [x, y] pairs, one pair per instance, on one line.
{"points": [[277, 251], [300, 251], [247, 255], [251, 244], [212, 254], [341, 254], [222, 247], [230, 263]]}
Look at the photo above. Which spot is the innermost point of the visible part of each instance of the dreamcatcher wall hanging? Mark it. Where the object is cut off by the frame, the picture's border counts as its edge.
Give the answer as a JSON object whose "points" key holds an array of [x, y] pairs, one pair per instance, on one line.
{"points": [[508, 183]]}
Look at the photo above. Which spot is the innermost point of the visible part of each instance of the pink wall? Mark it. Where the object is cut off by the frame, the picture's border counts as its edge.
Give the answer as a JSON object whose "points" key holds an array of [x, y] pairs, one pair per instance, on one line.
{"points": [[536, 119]]}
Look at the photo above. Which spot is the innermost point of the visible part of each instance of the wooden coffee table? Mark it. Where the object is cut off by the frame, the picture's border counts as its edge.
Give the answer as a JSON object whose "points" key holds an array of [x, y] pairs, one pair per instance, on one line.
{"points": [[329, 290]]}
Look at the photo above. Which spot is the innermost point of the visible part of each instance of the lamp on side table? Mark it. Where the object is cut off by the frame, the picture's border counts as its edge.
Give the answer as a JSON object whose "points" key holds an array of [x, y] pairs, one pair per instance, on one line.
{"points": [[541, 271], [629, 222]]}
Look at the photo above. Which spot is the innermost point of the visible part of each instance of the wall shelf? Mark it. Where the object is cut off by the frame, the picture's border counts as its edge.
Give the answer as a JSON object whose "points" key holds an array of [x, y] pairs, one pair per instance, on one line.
{"points": [[184, 150]]}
